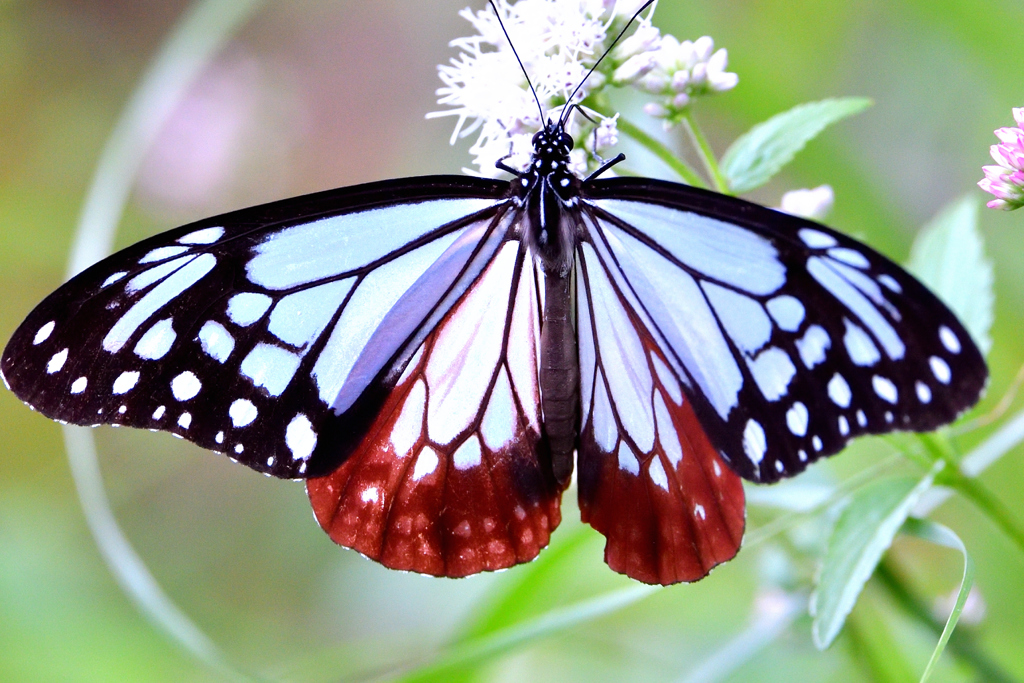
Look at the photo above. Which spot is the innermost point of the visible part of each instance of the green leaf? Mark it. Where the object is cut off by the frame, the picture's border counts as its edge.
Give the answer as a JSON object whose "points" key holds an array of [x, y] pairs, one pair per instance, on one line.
{"points": [[940, 535], [949, 256], [534, 581], [862, 534], [757, 155], [524, 612]]}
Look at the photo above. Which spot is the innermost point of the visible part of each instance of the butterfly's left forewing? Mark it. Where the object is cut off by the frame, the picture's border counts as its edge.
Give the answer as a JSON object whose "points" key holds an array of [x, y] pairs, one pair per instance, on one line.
{"points": [[272, 334], [454, 476], [789, 339]]}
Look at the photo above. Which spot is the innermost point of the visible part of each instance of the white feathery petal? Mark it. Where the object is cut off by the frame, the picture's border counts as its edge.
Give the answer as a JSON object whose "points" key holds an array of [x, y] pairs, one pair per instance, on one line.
{"points": [[680, 80], [623, 8], [654, 82], [578, 162], [723, 81], [699, 74], [484, 87], [718, 61], [718, 78], [686, 55]]}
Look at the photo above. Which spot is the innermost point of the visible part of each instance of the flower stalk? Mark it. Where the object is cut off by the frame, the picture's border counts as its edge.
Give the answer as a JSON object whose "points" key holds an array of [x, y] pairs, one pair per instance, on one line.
{"points": [[940, 448], [707, 155]]}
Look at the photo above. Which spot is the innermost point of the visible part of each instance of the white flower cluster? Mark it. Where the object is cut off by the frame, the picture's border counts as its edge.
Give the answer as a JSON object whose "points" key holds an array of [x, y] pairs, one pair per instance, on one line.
{"points": [[559, 41], [683, 71]]}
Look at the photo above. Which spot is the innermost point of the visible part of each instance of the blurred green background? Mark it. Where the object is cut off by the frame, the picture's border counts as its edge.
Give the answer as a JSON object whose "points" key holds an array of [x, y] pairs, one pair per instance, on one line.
{"points": [[312, 95]]}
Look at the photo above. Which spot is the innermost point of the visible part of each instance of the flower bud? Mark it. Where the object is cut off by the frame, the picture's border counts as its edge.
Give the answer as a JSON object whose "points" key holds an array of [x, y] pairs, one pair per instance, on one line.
{"points": [[1005, 180], [680, 80], [814, 204], [656, 110], [703, 47], [645, 39], [607, 133], [681, 100], [633, 69]]}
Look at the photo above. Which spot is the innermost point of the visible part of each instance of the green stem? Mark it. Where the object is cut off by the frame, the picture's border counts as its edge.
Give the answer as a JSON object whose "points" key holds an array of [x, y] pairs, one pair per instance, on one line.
{"points": [[706, 153], [971, 489], [961, 644], [992, 507], [874, 648], [924, 458], [689, 176], [940, 448]]}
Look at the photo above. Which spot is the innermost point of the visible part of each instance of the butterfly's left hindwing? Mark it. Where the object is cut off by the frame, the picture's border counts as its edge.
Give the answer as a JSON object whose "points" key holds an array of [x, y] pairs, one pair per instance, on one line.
{"points": [[788, 338], [272, 334], [650, 480], [454, 476]]}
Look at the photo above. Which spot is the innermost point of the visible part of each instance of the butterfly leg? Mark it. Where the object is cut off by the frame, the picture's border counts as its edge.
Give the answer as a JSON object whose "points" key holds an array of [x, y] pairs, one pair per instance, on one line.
{"points": [[500, 163], [605, 166]]}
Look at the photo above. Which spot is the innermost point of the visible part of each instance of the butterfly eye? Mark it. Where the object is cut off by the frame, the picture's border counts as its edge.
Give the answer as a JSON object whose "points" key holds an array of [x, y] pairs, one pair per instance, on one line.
{"points": [[565, 140], [537, 137]]}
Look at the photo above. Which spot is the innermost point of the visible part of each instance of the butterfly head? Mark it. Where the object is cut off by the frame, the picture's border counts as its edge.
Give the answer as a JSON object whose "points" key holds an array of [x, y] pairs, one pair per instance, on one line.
{"points": [[553, 139], [551, 148], [547, 189]]}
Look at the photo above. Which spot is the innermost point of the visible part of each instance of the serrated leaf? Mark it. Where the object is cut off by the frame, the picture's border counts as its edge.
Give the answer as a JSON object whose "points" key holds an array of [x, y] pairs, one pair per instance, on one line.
{"points": [[863, 532], [949, 256], [757, 155]]}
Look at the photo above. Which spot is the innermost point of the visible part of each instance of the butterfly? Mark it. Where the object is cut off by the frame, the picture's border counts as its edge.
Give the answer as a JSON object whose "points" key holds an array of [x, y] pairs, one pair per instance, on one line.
{"points": [[434, 356]]}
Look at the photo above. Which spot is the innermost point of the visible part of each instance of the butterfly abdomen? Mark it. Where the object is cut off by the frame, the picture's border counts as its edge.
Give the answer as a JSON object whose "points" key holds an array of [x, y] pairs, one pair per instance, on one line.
{"points": [[559, 374]]}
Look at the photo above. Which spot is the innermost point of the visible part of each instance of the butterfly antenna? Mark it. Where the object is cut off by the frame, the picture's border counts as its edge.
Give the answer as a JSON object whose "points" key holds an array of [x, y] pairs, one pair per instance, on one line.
{"points": [[568, 102], [528, 82]]}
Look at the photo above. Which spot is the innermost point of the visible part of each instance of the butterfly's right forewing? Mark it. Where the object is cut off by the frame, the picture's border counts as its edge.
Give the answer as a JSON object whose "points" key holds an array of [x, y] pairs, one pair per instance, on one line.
{"points": [[271, 334]]}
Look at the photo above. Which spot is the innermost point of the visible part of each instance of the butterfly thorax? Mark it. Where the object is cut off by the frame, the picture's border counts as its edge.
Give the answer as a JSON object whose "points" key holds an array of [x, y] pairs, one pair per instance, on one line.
{"points": [[548, 193], [548, 189]]}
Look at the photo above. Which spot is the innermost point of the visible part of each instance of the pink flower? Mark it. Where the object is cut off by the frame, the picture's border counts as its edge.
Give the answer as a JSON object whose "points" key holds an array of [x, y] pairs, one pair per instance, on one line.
{"points": [[1005, 180]]}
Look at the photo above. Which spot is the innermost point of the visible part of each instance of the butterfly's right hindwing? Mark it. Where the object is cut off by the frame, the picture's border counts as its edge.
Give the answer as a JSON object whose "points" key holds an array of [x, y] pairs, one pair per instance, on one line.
{"points": [[271, 334], [454, 476]]}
